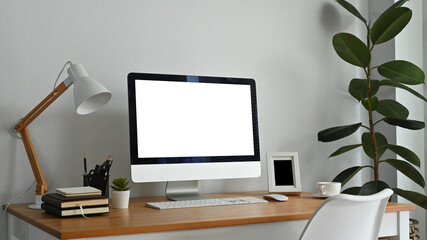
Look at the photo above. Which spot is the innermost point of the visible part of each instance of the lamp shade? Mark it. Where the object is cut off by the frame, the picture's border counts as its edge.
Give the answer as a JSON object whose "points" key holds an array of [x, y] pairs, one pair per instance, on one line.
{"points": [[89, 94]]}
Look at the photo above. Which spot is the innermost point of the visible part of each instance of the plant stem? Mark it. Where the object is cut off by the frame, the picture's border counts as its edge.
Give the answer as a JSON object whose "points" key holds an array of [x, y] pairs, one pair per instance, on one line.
{"points": [[374, 146], [371, 121], [365, 127]]}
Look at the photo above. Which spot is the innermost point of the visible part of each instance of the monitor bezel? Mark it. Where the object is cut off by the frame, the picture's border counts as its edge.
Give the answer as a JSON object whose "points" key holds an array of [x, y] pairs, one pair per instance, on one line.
{"points": [[252, 160]]}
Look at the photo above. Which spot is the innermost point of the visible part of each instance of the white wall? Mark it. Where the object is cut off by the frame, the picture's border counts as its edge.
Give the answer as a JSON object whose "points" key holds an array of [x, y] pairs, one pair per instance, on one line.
{"points": [[285, 45]]}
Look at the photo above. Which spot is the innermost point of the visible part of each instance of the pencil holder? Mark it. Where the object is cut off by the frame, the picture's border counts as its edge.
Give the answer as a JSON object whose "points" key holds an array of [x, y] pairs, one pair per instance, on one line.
{"points": [[97, 181]]}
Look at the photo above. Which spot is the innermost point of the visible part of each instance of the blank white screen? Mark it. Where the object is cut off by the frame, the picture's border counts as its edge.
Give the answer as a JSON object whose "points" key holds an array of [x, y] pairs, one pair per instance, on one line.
{"points": [[187, 119]]}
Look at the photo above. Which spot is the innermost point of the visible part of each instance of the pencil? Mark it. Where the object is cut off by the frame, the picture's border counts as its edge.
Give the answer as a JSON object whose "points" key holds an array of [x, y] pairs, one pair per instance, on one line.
{"points": [[85, 164]]}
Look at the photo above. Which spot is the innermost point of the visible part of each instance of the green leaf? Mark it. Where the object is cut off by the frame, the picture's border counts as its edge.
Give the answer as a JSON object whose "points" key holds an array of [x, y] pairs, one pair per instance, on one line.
{"points": [[409, 124], [370, 104], [345, 176], [120, 184], [396, 4], [389, 24], [367, 144], [390, 83], [373, 187], [351, 49], [417, 198], [408, 170], [406, 154], [402, 71], [352, 190], [351, 9], [391, 108], [335, 133], [345, 149], [358, 88]]}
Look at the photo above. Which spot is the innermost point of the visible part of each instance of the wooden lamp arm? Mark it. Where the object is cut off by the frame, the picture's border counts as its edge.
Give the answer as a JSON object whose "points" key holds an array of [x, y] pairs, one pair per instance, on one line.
{"points": [[58, 91], [21, 127]]}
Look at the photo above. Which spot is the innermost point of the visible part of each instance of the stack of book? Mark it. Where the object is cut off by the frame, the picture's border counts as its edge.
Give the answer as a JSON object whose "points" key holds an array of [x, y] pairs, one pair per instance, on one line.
{"points": [[75, 201]]}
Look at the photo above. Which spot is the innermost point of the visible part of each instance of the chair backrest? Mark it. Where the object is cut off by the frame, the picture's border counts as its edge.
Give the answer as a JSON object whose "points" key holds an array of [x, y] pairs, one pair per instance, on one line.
{"points": [[348, 217]]}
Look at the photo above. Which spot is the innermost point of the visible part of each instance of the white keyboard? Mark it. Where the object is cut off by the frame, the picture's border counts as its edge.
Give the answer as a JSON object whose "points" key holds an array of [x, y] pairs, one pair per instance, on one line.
{"points": [[204, 202]]}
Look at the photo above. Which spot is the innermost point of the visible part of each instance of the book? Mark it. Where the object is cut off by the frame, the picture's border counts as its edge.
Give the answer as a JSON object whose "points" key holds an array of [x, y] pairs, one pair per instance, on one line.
{"points": [[78, 191], [60, 201], [74, 211]]}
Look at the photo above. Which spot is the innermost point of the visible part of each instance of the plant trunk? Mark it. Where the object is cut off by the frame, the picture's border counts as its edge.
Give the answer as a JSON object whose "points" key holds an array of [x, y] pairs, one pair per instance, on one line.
{"points": [[374, 146], [371, 122]]}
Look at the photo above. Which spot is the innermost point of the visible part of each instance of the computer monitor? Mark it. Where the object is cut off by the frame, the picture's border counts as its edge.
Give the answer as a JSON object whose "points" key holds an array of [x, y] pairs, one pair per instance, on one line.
{"points": [[189, 128]]}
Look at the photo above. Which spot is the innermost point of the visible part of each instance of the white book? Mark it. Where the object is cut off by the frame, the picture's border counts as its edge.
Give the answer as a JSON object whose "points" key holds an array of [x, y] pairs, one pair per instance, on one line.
{"points": [[77, 211], [94, 210], [78, 191]]}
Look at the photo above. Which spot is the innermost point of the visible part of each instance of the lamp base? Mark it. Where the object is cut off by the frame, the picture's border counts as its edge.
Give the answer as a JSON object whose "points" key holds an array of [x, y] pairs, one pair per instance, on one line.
{"points": [[35, 206], [38, 204]]}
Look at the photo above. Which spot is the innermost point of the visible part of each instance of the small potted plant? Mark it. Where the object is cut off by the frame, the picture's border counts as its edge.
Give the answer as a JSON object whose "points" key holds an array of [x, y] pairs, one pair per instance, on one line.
{"points": [[121, 193]]}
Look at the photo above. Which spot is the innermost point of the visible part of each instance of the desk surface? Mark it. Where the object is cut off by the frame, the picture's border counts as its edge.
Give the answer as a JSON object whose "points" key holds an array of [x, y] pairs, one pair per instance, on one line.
{"points": [[140, 219]]}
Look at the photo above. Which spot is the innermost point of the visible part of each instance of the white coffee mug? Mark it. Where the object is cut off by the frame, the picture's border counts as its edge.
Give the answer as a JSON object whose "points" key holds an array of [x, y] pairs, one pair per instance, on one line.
{"points": [[328, 189]]}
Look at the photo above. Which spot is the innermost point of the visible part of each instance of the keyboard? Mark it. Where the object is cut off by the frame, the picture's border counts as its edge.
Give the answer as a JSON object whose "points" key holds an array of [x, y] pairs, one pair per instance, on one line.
{"points": [[204, 202]]}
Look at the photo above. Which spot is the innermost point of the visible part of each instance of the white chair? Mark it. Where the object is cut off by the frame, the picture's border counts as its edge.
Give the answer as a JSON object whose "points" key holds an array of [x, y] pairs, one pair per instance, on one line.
{"points": [[348, 217]]}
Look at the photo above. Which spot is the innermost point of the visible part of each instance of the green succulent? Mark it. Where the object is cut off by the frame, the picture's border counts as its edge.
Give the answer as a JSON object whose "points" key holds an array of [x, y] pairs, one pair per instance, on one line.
{"points": [[120, 184], [396, 74]]}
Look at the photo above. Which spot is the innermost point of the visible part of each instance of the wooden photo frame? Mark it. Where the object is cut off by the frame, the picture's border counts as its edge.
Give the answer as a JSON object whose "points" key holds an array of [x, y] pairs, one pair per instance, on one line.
{"points": [[283, 173]]}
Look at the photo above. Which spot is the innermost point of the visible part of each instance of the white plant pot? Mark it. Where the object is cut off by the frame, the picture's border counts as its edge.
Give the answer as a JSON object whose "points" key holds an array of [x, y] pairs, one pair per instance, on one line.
{"points": [[120, 199]]}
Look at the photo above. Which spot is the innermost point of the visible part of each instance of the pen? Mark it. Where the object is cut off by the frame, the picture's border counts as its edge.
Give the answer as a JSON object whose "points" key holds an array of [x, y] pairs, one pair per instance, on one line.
{"points": [[103, 167], [102, 170], [84, 161], [110, 161]]}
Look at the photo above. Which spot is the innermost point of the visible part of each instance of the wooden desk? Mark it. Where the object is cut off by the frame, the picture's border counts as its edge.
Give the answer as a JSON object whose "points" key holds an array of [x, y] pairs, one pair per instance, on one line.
{"points": [[140, 222]]}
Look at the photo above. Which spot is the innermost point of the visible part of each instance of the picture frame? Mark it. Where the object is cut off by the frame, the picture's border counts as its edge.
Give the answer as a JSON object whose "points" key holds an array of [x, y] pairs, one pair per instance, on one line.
{"points": [[283, 173]]}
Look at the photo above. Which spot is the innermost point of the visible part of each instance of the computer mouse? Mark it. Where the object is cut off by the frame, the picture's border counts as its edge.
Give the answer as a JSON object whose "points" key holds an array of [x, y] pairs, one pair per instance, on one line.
{"points": [[276, 197]]}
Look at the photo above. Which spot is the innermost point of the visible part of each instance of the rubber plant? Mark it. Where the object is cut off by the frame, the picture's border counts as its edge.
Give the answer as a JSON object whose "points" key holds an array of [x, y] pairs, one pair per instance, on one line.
{"points": [[396, 74]]}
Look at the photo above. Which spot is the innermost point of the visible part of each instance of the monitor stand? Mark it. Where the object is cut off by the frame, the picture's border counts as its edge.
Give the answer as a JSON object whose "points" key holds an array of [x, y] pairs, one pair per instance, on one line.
{"points": [[183, 190]]}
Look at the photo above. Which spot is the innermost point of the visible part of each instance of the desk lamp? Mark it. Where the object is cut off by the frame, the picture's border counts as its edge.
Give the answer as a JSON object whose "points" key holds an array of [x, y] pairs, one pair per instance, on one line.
{"points": [[89, 95]]}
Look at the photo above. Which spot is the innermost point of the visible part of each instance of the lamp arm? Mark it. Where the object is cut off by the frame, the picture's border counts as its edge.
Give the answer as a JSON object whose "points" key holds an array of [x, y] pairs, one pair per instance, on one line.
{"points": [[41, 186], [21, 127], [25, 121]]}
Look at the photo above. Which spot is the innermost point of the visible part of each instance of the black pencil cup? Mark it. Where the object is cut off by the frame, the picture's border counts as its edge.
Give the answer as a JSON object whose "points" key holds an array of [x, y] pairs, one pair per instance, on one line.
{"points": [[97, 181]]}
